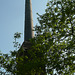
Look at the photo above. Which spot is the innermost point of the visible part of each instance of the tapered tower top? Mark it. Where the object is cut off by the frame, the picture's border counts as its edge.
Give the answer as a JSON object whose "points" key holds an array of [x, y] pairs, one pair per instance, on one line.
{"points": [[28, 30]]}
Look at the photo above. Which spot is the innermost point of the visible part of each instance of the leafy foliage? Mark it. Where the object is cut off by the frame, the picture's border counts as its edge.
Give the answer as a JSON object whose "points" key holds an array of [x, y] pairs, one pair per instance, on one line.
{"points": [[56, 34], [53, 47], [8, 61], [17, 44]]}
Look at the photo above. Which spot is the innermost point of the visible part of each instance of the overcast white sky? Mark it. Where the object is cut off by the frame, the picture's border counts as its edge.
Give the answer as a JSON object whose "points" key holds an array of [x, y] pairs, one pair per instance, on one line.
{"points": [[12, 20]]}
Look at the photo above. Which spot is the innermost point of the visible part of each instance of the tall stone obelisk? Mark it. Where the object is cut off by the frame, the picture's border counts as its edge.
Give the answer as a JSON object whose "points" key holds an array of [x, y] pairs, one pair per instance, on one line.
{"points": [[28, 29]]}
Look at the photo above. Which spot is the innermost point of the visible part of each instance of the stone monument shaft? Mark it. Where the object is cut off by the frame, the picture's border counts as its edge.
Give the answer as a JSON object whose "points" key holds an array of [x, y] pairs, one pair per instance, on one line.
{"points": [[28, 33]]}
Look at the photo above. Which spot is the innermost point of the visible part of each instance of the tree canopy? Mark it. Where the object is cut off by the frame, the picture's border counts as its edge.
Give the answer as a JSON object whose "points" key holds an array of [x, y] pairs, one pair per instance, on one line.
{"points": [[53, 47]]}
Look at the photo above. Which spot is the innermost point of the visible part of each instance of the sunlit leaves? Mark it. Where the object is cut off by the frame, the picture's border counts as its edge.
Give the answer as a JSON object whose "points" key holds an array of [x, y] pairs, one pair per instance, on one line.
{"points": [[58, 21]]}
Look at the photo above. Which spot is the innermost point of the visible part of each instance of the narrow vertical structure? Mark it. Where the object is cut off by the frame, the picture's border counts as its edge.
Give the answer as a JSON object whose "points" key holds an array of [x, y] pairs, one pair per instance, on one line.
{"points": [[28, 33], [28, 27]]}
